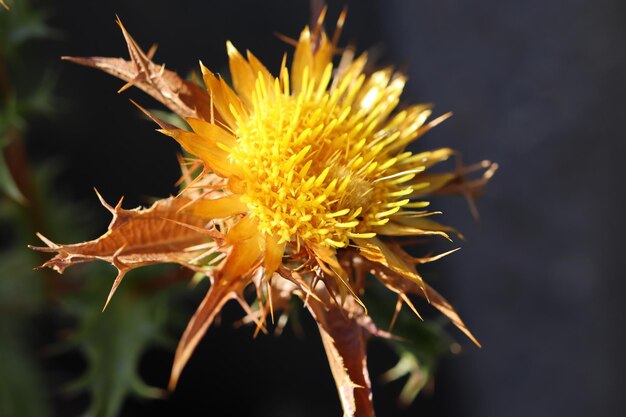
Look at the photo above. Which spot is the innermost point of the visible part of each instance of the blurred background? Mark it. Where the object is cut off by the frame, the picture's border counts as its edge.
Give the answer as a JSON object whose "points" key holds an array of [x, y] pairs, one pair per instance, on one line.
{"points": [[537, 86]]}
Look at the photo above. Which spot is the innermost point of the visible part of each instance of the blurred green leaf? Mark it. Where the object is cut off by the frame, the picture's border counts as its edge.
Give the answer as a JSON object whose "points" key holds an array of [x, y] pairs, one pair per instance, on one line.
{"points": [[113, 341], [22, 24], [21, 380], [22, 390], [420, 344], [7, 185]]}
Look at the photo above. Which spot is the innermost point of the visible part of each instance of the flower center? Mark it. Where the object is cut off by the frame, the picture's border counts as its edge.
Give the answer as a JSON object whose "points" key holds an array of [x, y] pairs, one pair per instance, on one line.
{"points": [[299, 171]]}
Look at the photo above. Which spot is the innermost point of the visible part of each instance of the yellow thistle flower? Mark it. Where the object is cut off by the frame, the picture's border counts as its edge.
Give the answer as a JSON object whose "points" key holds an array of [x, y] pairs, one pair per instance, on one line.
{"points": [[306, 185]]}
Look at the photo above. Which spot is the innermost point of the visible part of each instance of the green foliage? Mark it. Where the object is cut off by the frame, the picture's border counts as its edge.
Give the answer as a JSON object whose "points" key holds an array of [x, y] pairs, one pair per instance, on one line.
{"points": [[25, 90], [21, 24], [419, 346], [7, 185], [113, 341], [22, 390]]}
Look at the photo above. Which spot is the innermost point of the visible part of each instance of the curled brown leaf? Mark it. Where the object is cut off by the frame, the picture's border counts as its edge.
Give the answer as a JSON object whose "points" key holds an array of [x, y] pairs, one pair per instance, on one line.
{"points": [[162, 233], [344, 330], [183, 97]]}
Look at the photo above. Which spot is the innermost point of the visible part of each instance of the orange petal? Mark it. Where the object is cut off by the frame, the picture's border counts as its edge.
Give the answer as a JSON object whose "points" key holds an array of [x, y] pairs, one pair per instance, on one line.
{"points": [[212, 132], [258, 67], [213, 156], [273, 254], [228, 285], [244, 78], [243, 230], [244, 255], [223, 96], [220, 207]]}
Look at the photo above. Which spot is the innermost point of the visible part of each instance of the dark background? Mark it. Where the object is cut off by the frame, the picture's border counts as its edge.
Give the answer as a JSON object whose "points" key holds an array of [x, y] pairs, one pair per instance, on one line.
{"points": [[537, 86]]}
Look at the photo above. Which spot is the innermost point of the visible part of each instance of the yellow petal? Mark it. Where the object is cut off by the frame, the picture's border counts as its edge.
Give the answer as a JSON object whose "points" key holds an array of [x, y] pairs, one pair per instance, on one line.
{"points": [[431, 183], [395, 229], [303, 58], [429, 158], [414, 129], [323, 56]]}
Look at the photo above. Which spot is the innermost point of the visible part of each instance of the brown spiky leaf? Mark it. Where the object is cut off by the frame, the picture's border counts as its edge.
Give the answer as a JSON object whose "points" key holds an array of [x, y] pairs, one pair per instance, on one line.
{"points": [[180, 96], [3, 4], [399, 284], [159, 234], [441, 304], [217, 296], [344, 335], [377, 251], [228, 283], [459, 184]]}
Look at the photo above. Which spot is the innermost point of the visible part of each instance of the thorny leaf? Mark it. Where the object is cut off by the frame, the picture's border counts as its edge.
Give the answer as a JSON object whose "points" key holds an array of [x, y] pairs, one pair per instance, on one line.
{"points": [[184, 98], [344, 336], [457, 183], [163, 233], [396, 283]]}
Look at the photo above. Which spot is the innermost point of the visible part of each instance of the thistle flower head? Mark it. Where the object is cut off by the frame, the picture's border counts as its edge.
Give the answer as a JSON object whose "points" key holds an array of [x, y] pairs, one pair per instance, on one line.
{"points": [[299, 184], [311, 156]]}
